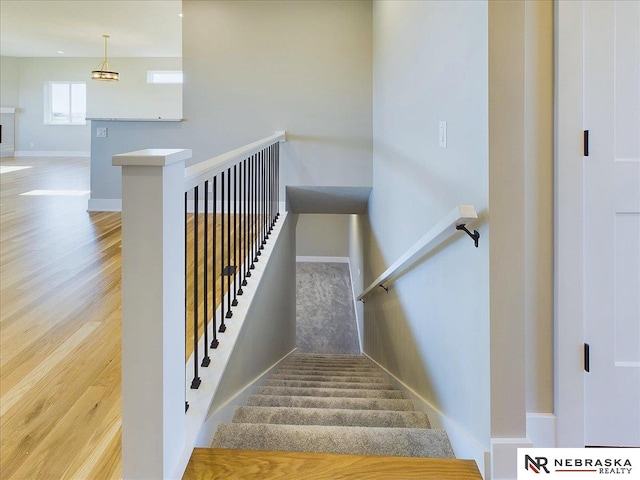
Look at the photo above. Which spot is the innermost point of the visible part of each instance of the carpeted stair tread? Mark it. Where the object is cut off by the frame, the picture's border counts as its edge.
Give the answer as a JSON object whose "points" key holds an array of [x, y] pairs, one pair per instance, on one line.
{"points": [[330, 361], [332, 368], [322, 384], [329, 416], [332, 373], [404, 442], [329, 392], [331, 378], [327, 371], [329, 402]]}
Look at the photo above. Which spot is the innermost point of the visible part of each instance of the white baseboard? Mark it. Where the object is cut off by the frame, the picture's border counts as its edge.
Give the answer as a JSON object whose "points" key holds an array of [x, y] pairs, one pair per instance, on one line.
{"points": [[104, 205], [323, 259], [464, 444], [541, 429], [48, 153], [504, 457]]}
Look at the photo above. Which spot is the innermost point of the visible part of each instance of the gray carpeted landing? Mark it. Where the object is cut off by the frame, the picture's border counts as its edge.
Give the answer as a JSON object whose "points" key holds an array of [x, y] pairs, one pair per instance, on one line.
{"points": [[325, 314], [302, 409]]}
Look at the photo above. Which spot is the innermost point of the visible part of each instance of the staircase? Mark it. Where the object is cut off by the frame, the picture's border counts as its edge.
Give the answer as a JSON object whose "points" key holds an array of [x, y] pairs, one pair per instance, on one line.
{"points": [[336, 404]]}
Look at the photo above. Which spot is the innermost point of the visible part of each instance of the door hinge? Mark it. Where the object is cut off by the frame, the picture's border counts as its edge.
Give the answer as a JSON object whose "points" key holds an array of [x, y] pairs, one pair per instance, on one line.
{"points": [[586, 358], [585, 143]]}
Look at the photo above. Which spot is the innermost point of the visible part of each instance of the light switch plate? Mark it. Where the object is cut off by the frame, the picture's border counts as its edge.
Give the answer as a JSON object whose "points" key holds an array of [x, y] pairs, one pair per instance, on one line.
{"points": [[442, 134], [101, 132]]}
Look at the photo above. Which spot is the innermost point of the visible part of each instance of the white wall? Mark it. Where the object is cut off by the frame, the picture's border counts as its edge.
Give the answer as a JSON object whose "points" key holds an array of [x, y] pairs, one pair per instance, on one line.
{"points": [[432, 329], [33, 135], [132, 97], [322, 235], [9, 82], [254, 67]]}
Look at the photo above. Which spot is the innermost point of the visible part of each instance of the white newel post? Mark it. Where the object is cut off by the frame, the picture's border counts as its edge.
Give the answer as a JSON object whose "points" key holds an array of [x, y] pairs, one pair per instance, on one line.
{"points": [[153, 317]]}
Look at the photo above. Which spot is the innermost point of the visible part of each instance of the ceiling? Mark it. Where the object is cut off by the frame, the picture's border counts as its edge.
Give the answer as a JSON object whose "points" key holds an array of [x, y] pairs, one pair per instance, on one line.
{"points": [[138, 28]]}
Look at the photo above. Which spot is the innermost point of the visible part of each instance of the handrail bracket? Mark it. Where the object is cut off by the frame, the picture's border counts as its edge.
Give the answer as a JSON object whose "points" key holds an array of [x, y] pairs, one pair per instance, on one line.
{"points": [[475, 235]]}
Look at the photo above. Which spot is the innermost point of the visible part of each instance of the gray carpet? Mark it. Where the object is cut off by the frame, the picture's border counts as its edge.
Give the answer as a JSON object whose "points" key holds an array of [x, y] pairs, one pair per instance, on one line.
{"points": [[325, 312], [302, 409]]}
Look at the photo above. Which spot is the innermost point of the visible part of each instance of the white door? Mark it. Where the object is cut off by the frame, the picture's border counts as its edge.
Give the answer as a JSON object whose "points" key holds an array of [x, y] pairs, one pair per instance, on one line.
{"points": [[612, 222]]}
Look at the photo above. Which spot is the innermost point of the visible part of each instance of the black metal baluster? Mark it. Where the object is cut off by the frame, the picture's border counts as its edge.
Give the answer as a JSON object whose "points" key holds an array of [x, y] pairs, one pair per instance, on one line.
{"points": [[214, 262], [264, 199], [260, 205], [206, 360], [249, 217], [277, 180], [243, 211], [271, 209], [267, 194], [254, 236], [235, 235], [223, 327], [245, 231], [186, 295], [195, 383], [229, 266]]}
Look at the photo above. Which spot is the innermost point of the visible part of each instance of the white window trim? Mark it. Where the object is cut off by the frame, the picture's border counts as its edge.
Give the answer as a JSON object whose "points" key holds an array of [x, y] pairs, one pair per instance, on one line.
{"points": [[48, 107], [151, 74]]}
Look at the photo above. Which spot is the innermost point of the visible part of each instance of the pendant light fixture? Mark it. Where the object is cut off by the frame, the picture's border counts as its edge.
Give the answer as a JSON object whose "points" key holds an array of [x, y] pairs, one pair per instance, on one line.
{"points": [[103, 72]]}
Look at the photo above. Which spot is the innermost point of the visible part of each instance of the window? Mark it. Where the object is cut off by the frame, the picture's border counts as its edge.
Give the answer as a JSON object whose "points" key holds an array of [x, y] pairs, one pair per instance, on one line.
{"points": [[65, 103], [165, 76]]}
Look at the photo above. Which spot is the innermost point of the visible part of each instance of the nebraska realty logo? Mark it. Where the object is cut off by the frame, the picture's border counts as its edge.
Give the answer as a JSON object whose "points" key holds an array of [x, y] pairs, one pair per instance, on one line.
{"points": [[543, 463]]}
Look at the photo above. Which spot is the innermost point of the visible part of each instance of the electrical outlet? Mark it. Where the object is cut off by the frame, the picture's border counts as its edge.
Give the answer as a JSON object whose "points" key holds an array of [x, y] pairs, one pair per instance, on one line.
{"points": [[101, 132]]}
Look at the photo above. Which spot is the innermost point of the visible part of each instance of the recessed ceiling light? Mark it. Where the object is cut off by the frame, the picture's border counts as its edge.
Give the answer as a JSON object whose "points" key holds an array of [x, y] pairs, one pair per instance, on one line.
{"points": [[180, 15], [60, 51]]}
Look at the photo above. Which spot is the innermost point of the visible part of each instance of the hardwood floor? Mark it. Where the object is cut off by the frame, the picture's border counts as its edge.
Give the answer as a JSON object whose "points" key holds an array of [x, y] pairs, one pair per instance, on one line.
{"points": [[59, 326], [60, 323], [219, 464]]}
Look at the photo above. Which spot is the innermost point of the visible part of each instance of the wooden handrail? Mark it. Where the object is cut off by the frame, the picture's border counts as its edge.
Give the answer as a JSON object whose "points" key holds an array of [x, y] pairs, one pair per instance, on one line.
{"points": [[438, 233]]}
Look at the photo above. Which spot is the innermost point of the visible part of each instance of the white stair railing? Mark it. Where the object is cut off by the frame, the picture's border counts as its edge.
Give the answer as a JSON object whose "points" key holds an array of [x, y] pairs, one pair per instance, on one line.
{"points": [[158, 195]]}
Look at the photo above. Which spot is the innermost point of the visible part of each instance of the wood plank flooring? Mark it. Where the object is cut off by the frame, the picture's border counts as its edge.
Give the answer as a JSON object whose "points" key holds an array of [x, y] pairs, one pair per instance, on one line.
{"points": [[59, 327], [60, 323], [219, 464]]}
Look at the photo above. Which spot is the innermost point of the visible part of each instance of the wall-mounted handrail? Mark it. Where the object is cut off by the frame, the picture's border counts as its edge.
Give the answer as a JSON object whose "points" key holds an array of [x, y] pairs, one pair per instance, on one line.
{"points": [[446, 227], [198, 173]]}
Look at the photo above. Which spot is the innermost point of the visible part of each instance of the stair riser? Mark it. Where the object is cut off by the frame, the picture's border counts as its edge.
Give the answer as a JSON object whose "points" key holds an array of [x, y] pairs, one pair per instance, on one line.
{"points": [[334, 402], [331, 378], [341, 440], [334, 373], [328, 417], [329, 392], [333, 367], [316, 384]]}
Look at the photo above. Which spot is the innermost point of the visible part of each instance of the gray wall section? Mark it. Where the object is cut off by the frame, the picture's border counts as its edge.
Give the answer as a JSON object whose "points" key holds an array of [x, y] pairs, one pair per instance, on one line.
{"points": [[269, 332], [9, 82], [252, 68], [123, 137], [322, 235], [326, 320], [432, 329]]}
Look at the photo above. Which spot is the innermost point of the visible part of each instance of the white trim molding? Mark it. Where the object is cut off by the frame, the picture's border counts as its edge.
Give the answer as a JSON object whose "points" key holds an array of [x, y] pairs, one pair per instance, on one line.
{"points": [[569, 225], [51, 153], [541, 429], [504, 456], [104, 205]]}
